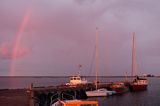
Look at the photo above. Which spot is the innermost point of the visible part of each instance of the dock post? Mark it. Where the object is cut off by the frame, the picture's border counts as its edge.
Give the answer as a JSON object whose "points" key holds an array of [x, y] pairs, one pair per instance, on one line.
{"points": [[31, 98]]}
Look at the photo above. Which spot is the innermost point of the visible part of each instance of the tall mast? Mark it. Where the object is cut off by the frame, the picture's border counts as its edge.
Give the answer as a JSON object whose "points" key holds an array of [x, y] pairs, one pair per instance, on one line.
{"points": [[97, 58], [136, 69], [134, 64]]}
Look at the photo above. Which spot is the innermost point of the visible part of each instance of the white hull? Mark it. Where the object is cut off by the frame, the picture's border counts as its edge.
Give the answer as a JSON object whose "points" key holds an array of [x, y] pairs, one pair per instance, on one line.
{"points": [[111, 92], [95, 93], [99, 92]]}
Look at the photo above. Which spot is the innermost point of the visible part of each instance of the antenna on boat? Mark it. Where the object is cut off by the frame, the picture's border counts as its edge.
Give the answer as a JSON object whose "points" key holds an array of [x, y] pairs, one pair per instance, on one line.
{"points": [[126, 77], [79, 72]]}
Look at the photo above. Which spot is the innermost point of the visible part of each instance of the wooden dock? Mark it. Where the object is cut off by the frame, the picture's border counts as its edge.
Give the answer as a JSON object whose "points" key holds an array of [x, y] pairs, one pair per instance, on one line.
{"points": [[36, 93], [40, 95]]}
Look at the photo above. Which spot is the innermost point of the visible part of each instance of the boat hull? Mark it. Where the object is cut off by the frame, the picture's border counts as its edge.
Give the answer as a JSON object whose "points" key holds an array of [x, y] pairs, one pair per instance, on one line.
{"points": [[137, 87], [95, 94], [98, 93], [120, 88]]}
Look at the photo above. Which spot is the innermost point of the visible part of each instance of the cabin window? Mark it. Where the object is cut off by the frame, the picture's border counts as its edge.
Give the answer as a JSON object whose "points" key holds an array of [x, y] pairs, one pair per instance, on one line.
{"points": [[71, 78], [88, 105], [78, 78]]}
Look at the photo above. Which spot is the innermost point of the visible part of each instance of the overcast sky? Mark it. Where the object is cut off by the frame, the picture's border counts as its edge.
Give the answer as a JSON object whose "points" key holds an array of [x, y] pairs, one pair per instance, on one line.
{"points": [[57, 35]]}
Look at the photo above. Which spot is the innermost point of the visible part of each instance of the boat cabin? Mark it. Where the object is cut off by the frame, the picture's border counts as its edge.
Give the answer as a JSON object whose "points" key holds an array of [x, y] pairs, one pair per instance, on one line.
{"points": [[74, 80], [140, 81]]}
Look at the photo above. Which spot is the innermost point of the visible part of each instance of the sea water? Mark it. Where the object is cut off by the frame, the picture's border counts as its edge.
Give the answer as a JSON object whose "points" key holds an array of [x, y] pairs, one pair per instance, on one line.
{"points": [[150, 97]]}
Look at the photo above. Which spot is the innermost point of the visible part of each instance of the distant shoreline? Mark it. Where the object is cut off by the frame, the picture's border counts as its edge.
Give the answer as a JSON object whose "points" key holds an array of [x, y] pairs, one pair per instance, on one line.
{"points": [[20, 82], [63, 76]]}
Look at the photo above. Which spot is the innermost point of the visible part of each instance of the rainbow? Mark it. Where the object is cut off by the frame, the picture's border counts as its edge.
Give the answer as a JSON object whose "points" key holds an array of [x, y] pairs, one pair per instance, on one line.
{"points": [[18, 38]]}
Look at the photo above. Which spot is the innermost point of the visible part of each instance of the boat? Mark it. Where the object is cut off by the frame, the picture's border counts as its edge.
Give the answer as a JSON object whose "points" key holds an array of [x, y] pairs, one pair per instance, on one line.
{"points": [[119, 87], [77, 79], [67, 99], [138, 83], [101, 91], [75, 103]]}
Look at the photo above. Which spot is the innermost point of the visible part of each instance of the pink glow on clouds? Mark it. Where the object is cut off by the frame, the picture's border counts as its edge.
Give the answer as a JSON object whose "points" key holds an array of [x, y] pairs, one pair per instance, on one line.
{"points": [[7, 53]]}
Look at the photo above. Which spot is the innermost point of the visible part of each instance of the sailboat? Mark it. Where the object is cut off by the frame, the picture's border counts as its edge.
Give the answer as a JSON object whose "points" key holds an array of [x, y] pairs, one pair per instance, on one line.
{"points": [[138, 83], [101, 91]]}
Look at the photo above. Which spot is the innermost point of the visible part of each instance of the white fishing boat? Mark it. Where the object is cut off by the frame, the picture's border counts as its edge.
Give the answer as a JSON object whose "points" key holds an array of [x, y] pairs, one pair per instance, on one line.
{"points": [[76, 80]]}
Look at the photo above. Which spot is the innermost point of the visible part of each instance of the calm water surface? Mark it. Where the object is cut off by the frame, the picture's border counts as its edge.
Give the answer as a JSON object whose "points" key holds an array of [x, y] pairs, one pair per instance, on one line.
{"points": [[151, 97]]}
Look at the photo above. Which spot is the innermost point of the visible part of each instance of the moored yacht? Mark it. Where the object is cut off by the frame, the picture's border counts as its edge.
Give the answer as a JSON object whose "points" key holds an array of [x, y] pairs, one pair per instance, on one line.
{"points": [[98, 91], [139, 84]]}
